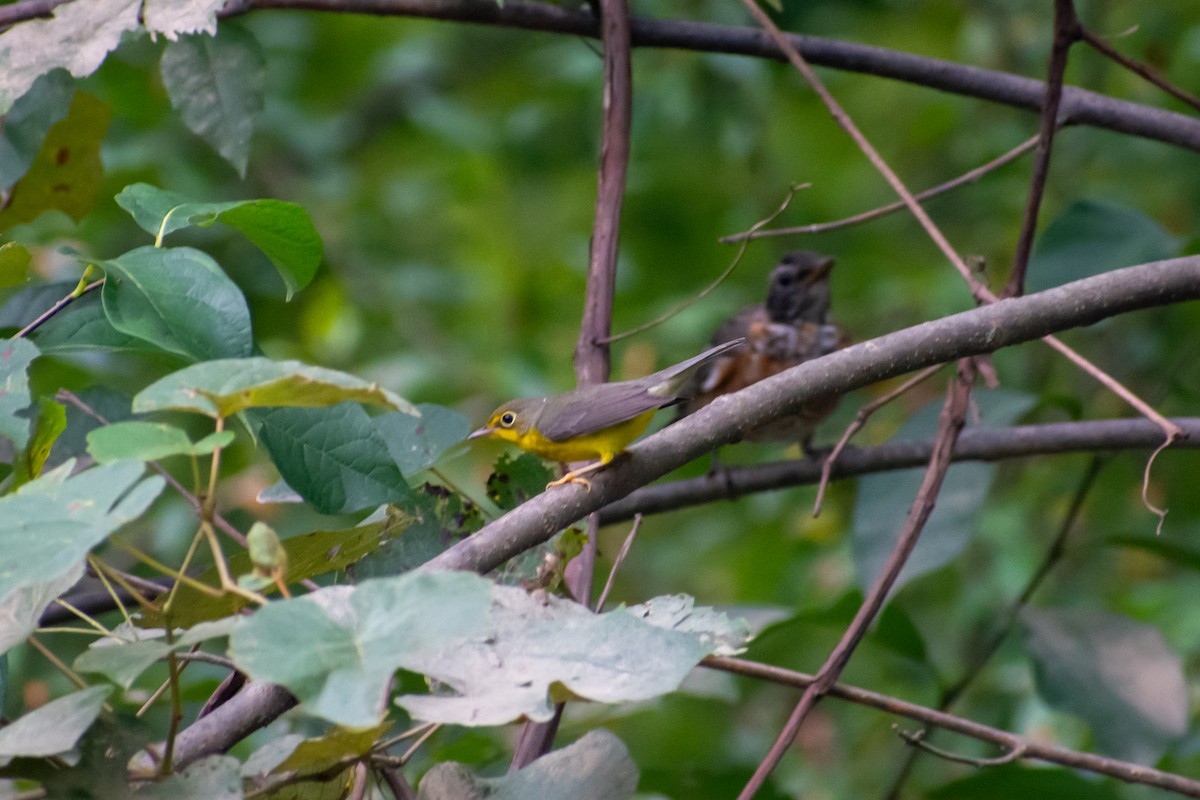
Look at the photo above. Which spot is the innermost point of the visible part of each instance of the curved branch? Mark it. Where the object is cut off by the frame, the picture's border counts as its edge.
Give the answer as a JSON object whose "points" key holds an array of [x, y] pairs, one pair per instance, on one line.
{"points": [[1079, 107], [980, 330], [1029, 749], [974, 444]]}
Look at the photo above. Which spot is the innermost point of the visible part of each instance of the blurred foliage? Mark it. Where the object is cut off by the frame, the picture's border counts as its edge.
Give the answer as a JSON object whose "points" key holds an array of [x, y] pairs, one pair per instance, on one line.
{"points": [[450, 171]]}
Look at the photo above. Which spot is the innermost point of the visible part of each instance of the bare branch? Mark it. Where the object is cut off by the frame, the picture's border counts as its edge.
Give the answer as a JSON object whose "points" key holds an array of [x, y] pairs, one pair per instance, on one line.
{"points": [[1079, 107], [1121, 770]]}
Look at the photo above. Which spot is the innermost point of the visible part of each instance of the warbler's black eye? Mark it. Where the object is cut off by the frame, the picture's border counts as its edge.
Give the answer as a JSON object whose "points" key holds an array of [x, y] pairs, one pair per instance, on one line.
{"points": [[507, 419], [785, 279]]}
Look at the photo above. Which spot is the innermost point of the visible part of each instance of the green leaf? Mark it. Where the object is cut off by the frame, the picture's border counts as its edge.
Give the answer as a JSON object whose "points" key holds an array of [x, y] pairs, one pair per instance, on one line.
{"points": [[14, 265], [515, 480], [77, 37], [66, 172], [15, 357], [1116, 674], [421, 526], [1178, 553], [178, 299], [228, 386], [50, 524], [51, 422], [26, 125], [354, 638], [54, 728], [78, 328], [149, 441], [883, 499], [216, 83], [308, 555], [1091, 237], [416, 443], [543, 649], [174, 17], [211, 778], [22, 608], [596, 767], [333, 457], [123, 662], [283, 231], [1009, 781], [325, 752]]}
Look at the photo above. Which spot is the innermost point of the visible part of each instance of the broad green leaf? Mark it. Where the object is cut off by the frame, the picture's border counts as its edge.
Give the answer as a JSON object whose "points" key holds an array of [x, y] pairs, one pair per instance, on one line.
{"points": [[309, 555], [596, 767], [50, 524], [77, 328], [333, 457], [324, 752], [225, 387], [148, 441], [283, 231], [15, 357], [1178, 553], [543, 649], [77, 38], [123, 662], [211, 778], [354, 638], [1116, 674], [28, 122], [55, 727], [216, 83], [49, 425], [416, 443], [516, 479], [14, 265], [66, 172], [174, 17], [424, 525], [23, 607], [882, 500], [178, 299], [1093, 237], [104, 403], [1009, 781]]}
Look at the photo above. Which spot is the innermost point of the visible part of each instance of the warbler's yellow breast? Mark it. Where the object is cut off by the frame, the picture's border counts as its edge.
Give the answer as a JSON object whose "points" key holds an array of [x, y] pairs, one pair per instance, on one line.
{"points": [[603, 444]]}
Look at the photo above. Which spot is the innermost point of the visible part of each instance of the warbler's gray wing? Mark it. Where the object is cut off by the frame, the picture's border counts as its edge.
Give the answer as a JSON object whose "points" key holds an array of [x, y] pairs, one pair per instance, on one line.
{"points": [[594, 408]]}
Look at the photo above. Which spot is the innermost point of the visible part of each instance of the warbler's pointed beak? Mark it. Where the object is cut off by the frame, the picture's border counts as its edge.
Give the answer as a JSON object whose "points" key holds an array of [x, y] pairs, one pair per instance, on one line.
{"points": [[479, 434]]}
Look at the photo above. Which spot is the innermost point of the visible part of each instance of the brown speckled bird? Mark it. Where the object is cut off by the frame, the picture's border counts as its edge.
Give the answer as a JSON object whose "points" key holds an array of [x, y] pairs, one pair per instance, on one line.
{"points": [[792, 326]]}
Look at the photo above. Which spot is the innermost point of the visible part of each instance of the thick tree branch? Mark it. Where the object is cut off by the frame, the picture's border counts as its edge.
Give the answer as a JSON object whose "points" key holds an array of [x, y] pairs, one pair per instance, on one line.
{"points": [[980, 330], [974, 444], [1079, 107]]}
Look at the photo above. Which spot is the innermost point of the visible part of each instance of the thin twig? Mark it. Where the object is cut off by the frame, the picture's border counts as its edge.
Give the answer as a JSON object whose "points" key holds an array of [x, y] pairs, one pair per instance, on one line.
{"points": [[950, 422], [1153, 76], [916, 739], [860, 419], [1066, 33], [890, 208], [618, 561], [49, 313], [737, 259]]}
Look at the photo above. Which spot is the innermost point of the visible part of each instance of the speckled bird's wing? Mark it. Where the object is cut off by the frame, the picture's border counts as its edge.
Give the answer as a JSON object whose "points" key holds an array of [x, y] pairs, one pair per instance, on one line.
{"points": [[594, 408]]}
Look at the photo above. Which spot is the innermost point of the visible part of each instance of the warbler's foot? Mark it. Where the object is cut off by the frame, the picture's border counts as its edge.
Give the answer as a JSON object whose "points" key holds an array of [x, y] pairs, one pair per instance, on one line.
{"points": [[570, 477]]}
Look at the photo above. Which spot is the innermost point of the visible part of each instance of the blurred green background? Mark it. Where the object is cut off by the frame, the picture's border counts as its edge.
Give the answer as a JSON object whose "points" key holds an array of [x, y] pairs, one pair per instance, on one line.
{"points": [[450, 169]]}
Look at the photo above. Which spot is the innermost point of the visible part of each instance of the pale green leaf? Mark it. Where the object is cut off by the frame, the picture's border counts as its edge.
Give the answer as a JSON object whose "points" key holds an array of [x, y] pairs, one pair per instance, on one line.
{"points": [[228, 386], [148, 441], [77, 37], [174, 17], [536, 643], [15, 357], [354, 637], [55, 727]]}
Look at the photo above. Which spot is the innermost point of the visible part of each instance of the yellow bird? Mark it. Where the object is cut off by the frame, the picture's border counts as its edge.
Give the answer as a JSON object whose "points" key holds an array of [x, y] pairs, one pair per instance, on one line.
{"points": [[593, 422]]}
